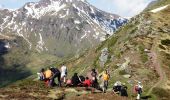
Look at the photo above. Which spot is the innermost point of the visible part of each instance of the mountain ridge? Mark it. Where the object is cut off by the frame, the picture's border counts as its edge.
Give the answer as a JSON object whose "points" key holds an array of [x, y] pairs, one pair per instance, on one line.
{"points": [[32, 18]]}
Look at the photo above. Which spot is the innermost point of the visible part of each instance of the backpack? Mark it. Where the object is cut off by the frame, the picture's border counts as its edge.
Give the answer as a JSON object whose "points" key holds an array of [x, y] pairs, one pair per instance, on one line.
{"points": [[136, 88]]}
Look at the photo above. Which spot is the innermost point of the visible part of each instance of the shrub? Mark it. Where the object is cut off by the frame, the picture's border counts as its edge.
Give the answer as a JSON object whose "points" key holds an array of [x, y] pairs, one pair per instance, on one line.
{"points": [[122, 72], [144, 56]]}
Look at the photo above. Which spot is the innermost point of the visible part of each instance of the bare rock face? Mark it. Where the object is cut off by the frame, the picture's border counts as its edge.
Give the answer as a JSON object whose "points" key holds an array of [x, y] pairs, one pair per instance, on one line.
{"points": [[104, 56], [59, 27]]}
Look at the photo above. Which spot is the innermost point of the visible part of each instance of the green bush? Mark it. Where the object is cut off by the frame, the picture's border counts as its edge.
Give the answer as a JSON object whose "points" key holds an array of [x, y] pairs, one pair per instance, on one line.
{"points": [[165, 42], [144, 56], [122, 72], [112, 41]]}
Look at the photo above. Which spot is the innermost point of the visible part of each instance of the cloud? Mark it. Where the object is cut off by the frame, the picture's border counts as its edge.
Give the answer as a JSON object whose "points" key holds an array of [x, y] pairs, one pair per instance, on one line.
{"points": [[14, 4], [126, 8], [1, 6], [130, 7]]}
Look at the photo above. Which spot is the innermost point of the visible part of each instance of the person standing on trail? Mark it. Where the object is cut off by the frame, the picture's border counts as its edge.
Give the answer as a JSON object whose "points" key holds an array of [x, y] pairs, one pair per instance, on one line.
{"points": [[94, 78], [138, 90], [56, 73], [63, 73], [105, 78]]}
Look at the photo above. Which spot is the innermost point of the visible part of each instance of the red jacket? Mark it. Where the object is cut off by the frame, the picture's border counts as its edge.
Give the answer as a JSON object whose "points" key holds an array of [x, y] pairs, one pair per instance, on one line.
{"points": [[87, 83]]}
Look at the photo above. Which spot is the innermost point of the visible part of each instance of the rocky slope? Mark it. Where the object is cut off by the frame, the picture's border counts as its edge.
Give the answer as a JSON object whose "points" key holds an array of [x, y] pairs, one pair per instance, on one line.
{"points": [[60, 27]]}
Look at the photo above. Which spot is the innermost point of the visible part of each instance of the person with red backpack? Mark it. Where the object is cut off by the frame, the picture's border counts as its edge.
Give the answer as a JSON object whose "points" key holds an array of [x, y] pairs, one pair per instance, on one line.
{"points": [[87, 82], [138, 89]]}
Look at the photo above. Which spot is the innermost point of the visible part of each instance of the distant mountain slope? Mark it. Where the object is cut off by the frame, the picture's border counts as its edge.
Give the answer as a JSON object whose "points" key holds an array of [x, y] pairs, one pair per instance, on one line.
{"points": [[60, 27]]}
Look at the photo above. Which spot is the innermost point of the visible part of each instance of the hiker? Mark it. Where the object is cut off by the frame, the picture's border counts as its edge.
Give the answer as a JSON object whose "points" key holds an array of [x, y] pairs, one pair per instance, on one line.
{"points": [[41, 75], [87, 82], [105, 78], [75, 80], [48, 75], [123, 91], [56, 73], [63, 73], [117, 87], [94, 78], [138, 90], [81, 78]]}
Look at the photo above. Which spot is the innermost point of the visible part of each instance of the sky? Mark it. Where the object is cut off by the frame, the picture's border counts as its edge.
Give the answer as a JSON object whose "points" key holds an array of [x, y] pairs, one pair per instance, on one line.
{"points": [[124, 8]]}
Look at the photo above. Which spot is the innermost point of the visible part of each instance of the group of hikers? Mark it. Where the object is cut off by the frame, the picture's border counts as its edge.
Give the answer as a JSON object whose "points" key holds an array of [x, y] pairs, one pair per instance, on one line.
{"points": [[91, 80]]}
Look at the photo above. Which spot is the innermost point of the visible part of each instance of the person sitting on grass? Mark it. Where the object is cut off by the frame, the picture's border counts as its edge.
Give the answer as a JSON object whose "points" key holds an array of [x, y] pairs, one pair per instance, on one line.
{"points": [[75, 80], [123, 91], [117, 87], [69, 83], [87, 83]]}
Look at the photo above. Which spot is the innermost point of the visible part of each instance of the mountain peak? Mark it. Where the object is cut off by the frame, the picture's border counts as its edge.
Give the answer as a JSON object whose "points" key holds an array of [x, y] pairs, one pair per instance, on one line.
{"points": [[66, 1], [74, 22]]}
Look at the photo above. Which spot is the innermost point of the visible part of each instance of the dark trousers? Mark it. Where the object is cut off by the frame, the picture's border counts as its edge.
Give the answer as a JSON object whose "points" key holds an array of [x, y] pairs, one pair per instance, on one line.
{"points": [[58, 75]]}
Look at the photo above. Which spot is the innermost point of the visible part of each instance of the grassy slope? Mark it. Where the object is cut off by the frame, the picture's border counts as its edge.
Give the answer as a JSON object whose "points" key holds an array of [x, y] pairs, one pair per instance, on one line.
{"points": [[146, 31], [19, 62], [157, 4], [130, 41]]}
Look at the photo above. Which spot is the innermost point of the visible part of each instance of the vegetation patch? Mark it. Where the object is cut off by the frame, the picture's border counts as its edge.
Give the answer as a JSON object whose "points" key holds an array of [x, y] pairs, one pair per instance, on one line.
{"points": [[161, 93], [144, 56], [122, 72], [165, 42]]}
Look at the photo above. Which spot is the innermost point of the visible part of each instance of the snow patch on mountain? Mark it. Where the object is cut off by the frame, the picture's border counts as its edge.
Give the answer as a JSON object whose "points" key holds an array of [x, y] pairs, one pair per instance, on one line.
{"points": [[84, 35], [77, 22], [159, 9], [39, 12], [40, 44], [70, 20]]}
